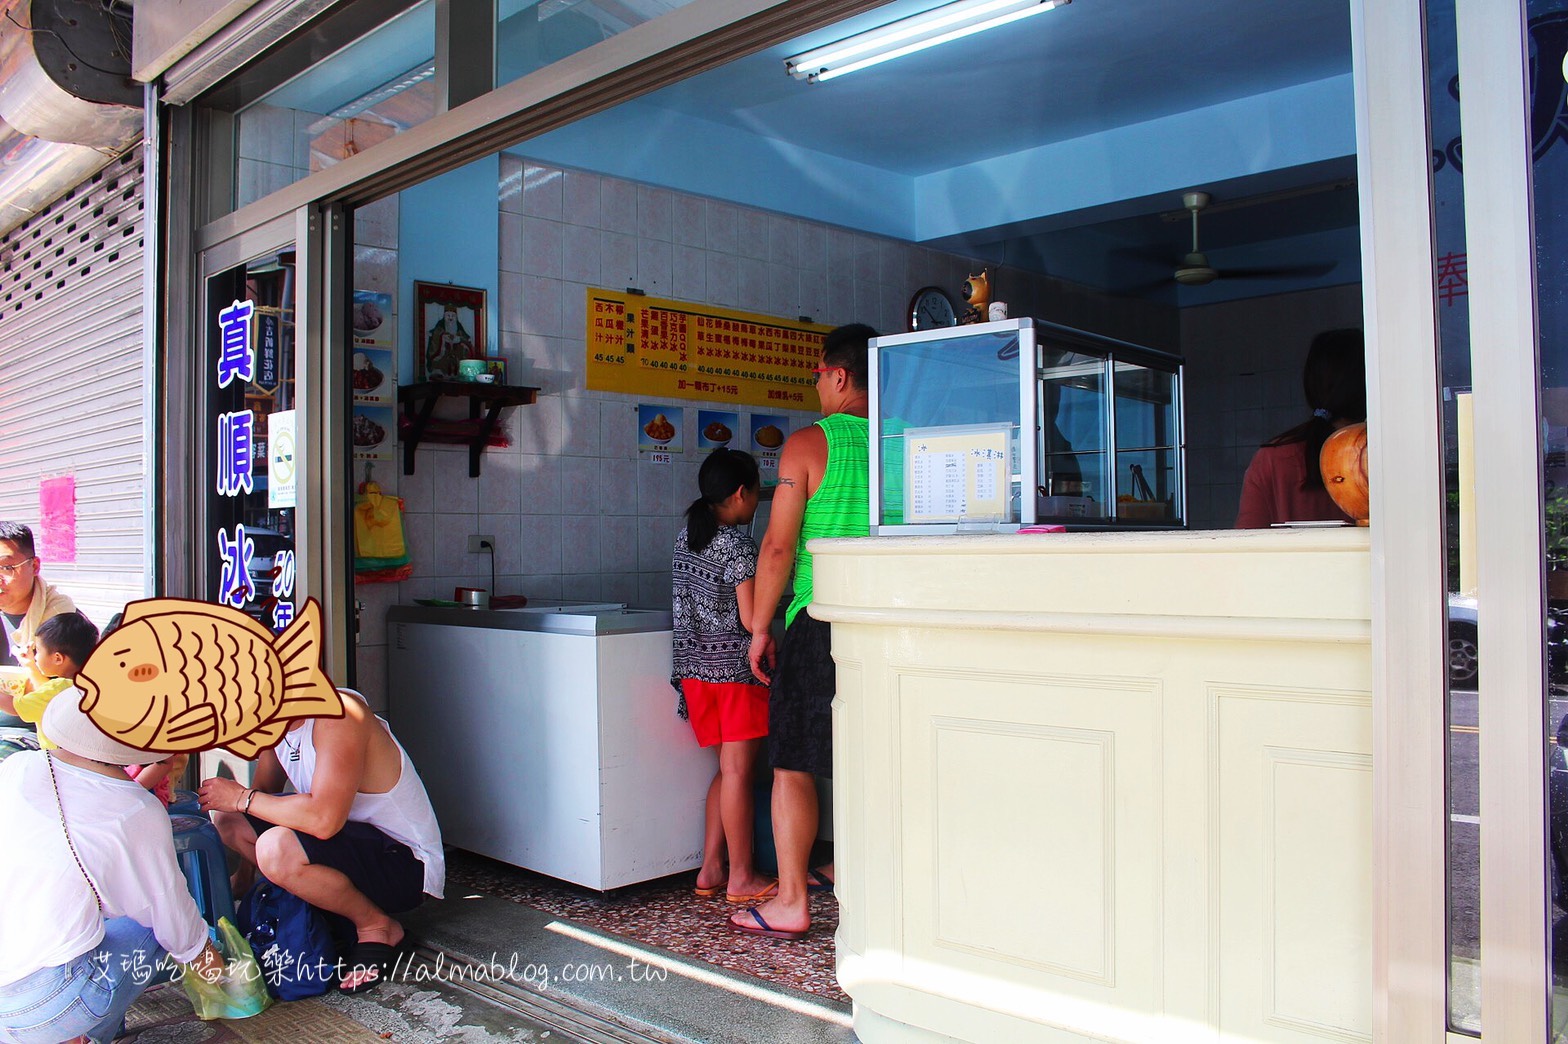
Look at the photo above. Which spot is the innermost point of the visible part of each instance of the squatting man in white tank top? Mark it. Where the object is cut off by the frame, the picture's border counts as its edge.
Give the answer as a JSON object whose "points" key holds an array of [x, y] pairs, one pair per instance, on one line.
{"points": [[358, 838]]}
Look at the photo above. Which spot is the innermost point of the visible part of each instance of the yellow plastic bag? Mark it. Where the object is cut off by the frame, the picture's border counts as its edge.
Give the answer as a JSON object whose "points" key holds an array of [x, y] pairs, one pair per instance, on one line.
{"points": [[240, 992], [378, 529]]}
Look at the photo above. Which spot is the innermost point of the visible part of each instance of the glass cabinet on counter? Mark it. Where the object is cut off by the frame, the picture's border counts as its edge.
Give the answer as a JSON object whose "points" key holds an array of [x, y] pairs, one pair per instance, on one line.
{"points": [[997, 425]]}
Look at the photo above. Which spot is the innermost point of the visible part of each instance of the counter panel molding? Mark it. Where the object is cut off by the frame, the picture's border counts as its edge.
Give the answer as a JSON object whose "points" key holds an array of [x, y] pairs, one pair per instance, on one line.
{"points": [[1073, 812]]}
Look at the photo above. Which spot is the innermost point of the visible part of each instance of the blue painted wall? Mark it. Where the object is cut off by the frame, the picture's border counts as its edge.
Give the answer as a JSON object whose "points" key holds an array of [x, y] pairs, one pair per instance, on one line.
{"points": [[449, 231]]}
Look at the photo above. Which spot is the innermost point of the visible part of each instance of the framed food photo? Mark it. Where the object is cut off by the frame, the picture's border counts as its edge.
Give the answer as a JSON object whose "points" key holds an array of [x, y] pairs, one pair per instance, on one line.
{"points": [[373, 432], [449, 326], [372, 320]]}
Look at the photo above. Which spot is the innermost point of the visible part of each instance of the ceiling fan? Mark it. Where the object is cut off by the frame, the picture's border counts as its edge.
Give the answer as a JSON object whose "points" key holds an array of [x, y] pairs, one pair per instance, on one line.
{"points": [[1195, 270]]}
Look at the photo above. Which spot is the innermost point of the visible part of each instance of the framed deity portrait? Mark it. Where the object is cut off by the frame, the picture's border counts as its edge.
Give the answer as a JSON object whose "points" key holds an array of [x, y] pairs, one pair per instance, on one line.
{"points": [[449, 326]]}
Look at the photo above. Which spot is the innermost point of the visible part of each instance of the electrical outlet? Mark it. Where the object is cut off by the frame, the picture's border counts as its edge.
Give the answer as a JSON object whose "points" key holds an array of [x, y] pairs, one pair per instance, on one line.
{"points": [[476, 542]]}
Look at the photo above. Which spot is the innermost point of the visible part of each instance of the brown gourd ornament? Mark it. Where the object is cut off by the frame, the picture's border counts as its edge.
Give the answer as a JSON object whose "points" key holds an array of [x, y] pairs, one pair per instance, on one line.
{"points": [[1344, 466]]}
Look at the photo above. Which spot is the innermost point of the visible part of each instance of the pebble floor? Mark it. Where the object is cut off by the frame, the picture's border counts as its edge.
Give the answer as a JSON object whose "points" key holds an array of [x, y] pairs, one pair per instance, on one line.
{"points": [[665, 913]]}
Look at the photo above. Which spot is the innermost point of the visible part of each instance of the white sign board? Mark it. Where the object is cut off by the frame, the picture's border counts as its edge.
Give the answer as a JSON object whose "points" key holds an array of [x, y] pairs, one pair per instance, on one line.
{"points": [[282, 460]]}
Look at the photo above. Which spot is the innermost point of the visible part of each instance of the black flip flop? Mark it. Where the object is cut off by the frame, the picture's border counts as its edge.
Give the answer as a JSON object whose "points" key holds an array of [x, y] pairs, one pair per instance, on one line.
{"points": [[377, 956], [764, 928]]}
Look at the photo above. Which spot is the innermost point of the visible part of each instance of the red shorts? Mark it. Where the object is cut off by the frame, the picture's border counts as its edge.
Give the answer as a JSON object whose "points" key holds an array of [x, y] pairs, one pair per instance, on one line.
{"points": [[722, 712]]}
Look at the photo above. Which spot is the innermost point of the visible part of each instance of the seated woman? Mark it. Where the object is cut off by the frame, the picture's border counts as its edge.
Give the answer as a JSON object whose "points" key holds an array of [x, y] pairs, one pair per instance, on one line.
{"points": [[91, 889], [1284, 482]]}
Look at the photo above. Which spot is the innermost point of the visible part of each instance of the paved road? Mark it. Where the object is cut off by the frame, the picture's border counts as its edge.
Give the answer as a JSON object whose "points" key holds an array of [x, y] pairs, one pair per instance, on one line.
{"points": [[1464, 822], [1463, 826]]}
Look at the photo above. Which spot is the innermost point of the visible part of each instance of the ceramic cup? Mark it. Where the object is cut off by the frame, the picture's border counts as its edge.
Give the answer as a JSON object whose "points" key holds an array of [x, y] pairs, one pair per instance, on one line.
{"points": [[998, 311], [470, 369]]}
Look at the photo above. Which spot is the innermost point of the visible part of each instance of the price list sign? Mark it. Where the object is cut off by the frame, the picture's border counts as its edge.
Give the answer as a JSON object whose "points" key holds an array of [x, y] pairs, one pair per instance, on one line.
{"points": [[956, 473], [653, 347]]}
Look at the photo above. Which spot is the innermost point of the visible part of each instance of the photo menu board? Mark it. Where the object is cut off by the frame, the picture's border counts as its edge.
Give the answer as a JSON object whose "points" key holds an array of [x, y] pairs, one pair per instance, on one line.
{"points": [[674, 349]]}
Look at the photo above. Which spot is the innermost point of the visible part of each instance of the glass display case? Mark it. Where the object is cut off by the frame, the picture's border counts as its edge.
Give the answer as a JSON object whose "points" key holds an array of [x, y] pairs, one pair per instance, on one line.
{"points": [[997, 425]]}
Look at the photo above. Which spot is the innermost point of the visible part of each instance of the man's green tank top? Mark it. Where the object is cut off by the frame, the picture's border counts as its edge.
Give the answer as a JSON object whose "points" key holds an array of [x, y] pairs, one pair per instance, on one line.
{"points": [[841, 505]]}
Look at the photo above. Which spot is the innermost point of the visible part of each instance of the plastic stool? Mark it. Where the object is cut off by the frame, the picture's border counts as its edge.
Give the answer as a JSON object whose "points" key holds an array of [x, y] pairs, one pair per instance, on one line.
{"points": [[185, 803], [205, 865]]}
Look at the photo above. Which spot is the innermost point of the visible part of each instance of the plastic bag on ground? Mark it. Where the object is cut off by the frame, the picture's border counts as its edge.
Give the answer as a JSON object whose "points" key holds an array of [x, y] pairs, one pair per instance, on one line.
{"points": [[240, 992]]}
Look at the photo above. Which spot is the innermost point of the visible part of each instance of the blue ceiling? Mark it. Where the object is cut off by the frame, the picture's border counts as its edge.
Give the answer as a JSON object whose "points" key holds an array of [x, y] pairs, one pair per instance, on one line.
{"points": [[1068, 73], [1061, 142]]}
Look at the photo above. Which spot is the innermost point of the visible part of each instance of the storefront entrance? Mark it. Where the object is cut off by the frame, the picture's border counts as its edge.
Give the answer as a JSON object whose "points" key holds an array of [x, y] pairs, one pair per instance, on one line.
{"points": [[547, 190]]}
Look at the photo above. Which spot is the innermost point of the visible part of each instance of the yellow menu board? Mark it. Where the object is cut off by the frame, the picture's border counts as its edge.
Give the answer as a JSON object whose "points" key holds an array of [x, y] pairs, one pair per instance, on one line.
{"points": [[652, 347]]}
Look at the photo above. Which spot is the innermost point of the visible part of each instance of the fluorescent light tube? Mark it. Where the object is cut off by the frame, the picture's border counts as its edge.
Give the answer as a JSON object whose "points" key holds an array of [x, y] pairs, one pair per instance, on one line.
{"points": [[908, 35]]}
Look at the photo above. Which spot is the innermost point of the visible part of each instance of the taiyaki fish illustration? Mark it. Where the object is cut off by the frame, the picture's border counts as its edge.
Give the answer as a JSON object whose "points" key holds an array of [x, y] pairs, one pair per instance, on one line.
{"points": [[183, 676]]}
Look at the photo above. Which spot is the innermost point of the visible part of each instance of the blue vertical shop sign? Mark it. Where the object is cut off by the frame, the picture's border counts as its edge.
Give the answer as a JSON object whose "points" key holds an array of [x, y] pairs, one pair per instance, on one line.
{"points": [[267, 352]]}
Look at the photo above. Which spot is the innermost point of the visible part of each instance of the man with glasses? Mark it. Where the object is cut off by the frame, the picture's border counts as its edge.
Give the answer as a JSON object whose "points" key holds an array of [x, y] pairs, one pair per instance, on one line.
{"points": [[823, 491], [26, 599]]}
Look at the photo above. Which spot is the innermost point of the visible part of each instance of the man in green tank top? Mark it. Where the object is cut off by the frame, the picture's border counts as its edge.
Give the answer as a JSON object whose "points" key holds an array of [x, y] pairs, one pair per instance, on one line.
{"points": [[822, 492]]}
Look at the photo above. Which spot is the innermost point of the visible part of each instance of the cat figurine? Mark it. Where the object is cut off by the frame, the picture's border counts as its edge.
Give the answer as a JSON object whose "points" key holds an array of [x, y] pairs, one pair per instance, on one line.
{"points": [[977, 294]]}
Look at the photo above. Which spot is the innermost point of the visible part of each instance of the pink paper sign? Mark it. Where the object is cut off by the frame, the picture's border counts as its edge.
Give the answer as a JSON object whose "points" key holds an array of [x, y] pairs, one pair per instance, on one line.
{"points": [[56, 536]]}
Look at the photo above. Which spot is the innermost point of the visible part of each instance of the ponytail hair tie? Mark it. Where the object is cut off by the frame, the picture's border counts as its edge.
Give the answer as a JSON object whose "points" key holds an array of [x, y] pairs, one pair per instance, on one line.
{"points": [[1325, 414]]}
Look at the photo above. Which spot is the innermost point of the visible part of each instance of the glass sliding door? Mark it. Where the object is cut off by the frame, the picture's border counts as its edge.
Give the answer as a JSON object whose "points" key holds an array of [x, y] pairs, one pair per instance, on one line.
{"points": [[1394, 175], [267, 527], [1510, 86], [1462, 168], [251, 397], [1462, 608]]}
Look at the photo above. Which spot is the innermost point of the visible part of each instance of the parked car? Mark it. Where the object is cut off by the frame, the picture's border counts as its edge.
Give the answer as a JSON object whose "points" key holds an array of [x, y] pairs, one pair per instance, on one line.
{"points": [[1464, 661], [1463, 648]]}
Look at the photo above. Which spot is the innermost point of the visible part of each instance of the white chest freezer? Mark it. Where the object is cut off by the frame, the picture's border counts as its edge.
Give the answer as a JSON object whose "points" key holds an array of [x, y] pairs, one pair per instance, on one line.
{"points": [[547, 737]]}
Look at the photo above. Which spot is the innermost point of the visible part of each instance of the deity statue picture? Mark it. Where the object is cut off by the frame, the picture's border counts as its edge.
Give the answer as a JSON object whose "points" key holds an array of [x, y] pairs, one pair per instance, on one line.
{"points": [[450, 327]]}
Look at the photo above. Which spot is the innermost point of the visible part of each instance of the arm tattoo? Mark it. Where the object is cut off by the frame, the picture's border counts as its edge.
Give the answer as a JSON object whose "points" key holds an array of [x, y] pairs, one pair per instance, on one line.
{"points": [[786, 482]]}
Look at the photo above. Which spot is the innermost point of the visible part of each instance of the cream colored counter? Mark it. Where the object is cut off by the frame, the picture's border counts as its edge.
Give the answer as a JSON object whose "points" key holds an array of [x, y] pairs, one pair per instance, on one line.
{"points": [[1103, 787]]}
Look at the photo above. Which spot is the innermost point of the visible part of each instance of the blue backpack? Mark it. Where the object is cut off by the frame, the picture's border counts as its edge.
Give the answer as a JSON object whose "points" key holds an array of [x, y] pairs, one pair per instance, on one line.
{"points": [[291, 940]]}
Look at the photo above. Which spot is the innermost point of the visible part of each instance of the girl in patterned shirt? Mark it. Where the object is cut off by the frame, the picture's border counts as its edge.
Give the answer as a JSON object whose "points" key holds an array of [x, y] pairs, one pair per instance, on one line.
{"points": [[712, 569]]}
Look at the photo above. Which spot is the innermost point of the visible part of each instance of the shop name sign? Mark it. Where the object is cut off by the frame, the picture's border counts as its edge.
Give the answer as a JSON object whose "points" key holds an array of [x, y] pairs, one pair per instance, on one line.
{"points": [[236, 361], [235, 476], [674, 349]]}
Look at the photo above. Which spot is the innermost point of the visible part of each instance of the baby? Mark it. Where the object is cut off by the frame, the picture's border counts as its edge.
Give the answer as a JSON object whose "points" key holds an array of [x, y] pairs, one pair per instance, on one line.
{"points": [[60, 646]]}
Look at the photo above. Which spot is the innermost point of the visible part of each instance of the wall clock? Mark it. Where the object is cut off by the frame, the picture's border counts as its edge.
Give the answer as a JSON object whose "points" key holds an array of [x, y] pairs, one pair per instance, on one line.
{"points": [[931, 309]]}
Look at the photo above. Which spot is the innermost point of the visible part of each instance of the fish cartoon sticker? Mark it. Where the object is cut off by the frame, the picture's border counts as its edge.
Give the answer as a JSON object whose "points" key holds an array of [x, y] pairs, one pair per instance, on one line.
{"points": [[184, 676]]}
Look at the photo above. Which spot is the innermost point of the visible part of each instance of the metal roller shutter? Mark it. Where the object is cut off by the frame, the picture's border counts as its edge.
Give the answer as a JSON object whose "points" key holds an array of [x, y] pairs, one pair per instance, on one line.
{"points": [[71, 382]]}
